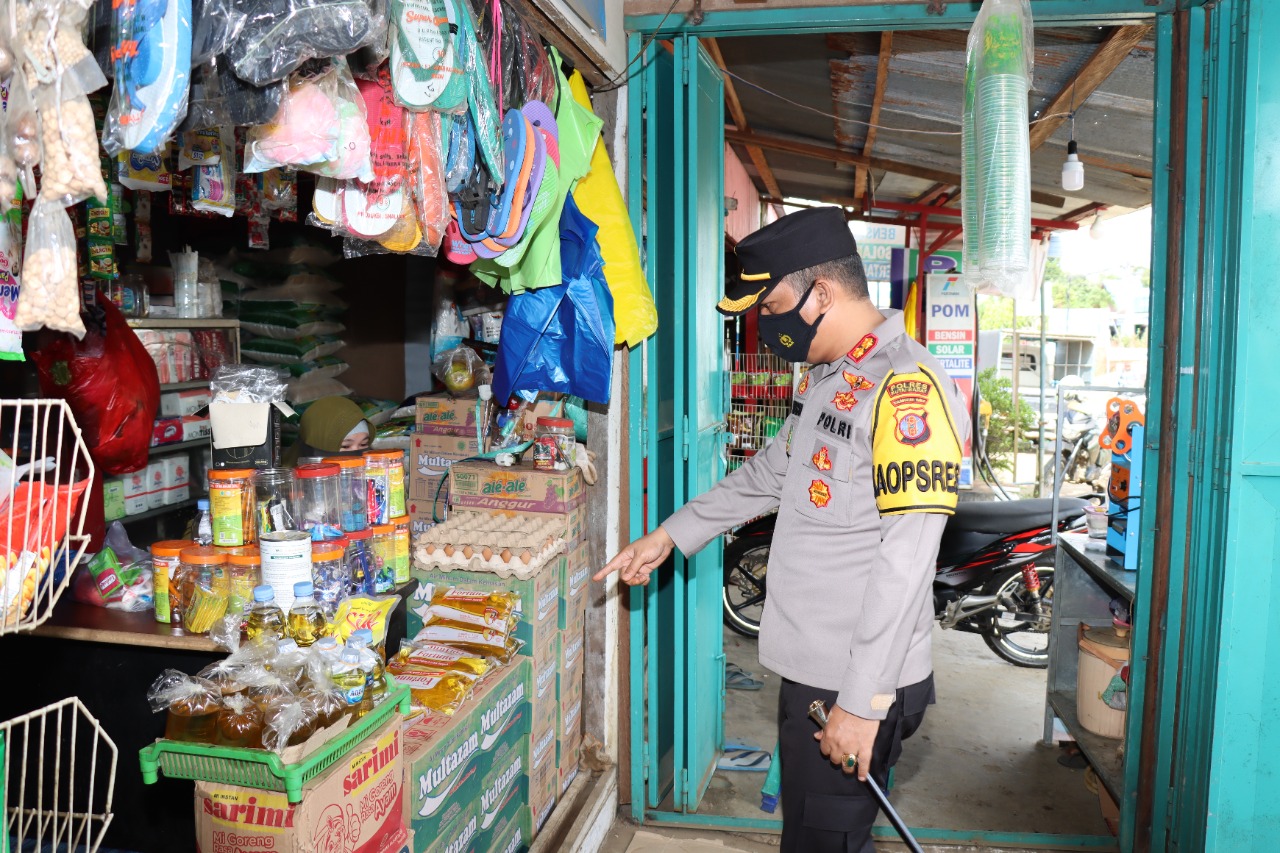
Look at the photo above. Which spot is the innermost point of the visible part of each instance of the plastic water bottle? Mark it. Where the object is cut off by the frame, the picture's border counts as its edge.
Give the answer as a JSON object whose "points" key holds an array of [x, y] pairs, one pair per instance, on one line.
{"points": [[306, 621], [204, 523]]}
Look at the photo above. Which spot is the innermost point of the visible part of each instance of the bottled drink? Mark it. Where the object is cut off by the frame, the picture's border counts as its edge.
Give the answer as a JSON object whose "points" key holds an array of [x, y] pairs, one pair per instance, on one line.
{"points": [[306, 620], [362, 639], [349, 678], [204, 523], [265, 617]]}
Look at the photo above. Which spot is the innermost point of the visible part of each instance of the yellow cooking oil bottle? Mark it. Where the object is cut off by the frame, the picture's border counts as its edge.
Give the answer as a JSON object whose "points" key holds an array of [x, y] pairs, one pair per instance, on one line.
{"points": [[265, 619], [362, 639], [306, 620], [350, 679]]}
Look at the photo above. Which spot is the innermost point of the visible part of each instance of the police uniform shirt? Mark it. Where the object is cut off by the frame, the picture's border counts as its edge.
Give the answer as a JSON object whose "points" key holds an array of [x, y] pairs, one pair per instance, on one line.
{"points": [[863, 473]]}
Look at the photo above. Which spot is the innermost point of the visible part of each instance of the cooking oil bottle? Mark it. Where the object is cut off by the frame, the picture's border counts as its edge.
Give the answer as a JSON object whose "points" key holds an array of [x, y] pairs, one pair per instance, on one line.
{"points": [[349, 677], [306, 620], [265, 618]]}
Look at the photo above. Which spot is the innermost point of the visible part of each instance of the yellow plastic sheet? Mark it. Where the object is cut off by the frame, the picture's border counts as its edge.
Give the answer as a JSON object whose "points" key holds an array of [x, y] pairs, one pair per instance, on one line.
{"points": [[600, 200]]}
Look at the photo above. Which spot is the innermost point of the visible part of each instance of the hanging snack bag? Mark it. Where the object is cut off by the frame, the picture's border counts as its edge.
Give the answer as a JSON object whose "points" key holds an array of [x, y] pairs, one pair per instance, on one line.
{"points": [[213, 188], [152, 68], [10, 334], [50, 295], [70, 170]]}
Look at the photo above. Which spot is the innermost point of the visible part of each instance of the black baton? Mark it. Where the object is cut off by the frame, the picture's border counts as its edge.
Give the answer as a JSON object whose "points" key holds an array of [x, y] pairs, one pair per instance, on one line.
{"points": [[818, 712]]}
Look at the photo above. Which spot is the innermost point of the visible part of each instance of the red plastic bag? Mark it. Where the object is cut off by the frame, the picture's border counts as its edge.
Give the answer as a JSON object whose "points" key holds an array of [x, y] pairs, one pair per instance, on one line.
{"points": [[110, 383]]}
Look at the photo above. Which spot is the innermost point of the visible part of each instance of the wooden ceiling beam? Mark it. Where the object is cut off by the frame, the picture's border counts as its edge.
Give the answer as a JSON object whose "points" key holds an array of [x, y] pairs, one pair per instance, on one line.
{"points": [[1096, 69], [862, 175], [739, 116], [831, 154]]}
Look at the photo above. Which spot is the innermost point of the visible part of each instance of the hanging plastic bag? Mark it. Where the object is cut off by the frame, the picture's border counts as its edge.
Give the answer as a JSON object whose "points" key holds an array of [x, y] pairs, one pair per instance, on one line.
{"points": [[428, 53], [277, 37], [110, 382], [353, 160], [50, 296], [600, 200], [215, 26], [486, 116], [152, 70], [426, 170], [71, 171], [461, 371], [367, 61], [303, 132], [48, 37], [561, 338], [213, 186], [1001, 153], [245, 103]]}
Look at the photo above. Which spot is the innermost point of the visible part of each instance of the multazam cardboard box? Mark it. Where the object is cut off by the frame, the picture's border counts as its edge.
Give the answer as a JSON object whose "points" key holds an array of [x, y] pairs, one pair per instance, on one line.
{"points": [[445, 415], [569, 720], [544, 676], [459, 835], [539, 599], [572, 644], [519, 488], [430, 458], [575, 584], [449, 757], [511, 833], [355, 806], [544, 793], [505, 786]]}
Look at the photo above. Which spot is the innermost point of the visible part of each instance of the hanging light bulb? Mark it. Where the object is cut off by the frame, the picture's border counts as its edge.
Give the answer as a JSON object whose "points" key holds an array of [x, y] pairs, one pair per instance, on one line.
{"points": [[1072, 170], [1099, 228]]}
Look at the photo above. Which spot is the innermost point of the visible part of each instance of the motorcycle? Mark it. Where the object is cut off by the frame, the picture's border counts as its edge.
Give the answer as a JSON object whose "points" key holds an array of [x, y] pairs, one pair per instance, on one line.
{"points": [[1081, 460], [994, 574]]}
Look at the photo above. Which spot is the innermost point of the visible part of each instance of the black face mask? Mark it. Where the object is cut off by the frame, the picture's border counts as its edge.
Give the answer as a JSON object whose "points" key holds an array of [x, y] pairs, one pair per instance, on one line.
{"points": [[787, 334]]}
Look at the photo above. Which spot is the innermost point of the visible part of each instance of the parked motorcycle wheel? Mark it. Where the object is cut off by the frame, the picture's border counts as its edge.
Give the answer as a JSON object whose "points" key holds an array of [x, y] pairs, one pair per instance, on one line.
{"points": [[745, 562], [1017, 641]]}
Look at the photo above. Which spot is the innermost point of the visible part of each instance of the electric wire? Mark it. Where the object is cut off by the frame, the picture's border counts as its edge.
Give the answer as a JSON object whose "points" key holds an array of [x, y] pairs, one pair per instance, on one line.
{"points": [[624, 75]]}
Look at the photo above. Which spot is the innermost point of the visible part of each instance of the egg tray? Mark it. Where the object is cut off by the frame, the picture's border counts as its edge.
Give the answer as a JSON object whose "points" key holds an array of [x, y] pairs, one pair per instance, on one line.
{"points": [[508, 546]]}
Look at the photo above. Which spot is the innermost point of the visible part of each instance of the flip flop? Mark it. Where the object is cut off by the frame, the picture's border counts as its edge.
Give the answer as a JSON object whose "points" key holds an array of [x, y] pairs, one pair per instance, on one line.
{"points": [[155, 78], [736, 678], [507, 204], [368, 215], [746, 758], [543, 205], [326, 201], [462, 152], [471, 205], [485, 112], [423, 61], [531, 192], [457, 248]]}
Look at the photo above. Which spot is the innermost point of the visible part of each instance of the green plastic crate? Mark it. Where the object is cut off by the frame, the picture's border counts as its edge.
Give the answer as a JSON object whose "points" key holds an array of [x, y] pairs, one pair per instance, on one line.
{"points": [[259, 768]]}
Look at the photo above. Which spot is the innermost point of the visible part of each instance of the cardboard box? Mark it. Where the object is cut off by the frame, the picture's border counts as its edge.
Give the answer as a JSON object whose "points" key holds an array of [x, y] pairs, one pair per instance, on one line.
{"points": [[520, 488], [155, 484], [505, 787], [544, 793], [177, 478], [457, 836], [166, 431], [135, 491], [444, 415], [195, 427], [175, 404], [572, 646], [421, 518], [544, 675], [512, 833], [575, 581], [113, 498], [448, 757], [360, 797], [247, 435], [539, 599], [568, 772], [430, 458]]}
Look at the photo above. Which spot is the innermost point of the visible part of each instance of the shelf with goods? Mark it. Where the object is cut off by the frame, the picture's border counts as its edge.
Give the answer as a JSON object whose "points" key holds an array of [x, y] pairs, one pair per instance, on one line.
{"points": [[59, 763], [761, 388], [1086, 580]]}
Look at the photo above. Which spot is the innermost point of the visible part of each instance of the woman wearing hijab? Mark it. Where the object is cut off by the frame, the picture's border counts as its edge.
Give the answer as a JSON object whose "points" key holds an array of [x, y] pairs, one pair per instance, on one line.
{"points": [[331, 426]]}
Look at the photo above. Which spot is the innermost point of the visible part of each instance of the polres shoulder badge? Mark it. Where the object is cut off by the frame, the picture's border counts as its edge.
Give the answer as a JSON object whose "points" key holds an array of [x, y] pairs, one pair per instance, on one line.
{"points": [[915, 449]]}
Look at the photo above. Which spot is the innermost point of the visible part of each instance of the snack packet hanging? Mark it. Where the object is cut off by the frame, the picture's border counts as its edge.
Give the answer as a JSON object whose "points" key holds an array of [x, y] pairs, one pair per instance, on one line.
{"points": [[151, 60], [70, 170], [364, 611], [200, 148], [438, 692], [416, 656], [213, 186], [50, 295], [48, 38]]}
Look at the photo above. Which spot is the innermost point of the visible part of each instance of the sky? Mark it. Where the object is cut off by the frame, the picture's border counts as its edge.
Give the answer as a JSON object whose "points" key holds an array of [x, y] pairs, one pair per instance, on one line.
{"points": [[1124, 241]]}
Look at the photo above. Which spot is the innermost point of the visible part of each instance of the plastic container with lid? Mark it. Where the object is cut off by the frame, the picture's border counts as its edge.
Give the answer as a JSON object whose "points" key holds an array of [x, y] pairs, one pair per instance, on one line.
{"points": [[360, 562], [382, 545], [204, 587], [554, 446], [400, 550], [352, 491], [1103, 653], [384, 470], [329, 573], [244, 572], [166, 561], [318, 498], [231, 502], [276, 500]]}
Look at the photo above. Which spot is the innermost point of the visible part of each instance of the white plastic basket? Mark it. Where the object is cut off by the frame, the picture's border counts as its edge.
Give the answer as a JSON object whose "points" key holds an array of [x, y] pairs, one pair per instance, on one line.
{"points": [[59, 780], [50, 458]]}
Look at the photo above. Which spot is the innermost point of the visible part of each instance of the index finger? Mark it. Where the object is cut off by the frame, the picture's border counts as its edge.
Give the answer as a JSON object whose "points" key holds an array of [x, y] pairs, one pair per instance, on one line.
{"points": [[619, 560]]}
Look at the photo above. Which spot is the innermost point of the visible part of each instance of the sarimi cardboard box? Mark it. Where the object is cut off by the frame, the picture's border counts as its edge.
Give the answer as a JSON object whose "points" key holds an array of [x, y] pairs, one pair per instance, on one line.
{"points": [[519, 488], [356, 806]]}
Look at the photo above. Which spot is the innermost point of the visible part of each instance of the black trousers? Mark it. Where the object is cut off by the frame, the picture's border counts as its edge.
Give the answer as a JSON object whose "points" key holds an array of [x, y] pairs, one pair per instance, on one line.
{"points": [[825, 810]]}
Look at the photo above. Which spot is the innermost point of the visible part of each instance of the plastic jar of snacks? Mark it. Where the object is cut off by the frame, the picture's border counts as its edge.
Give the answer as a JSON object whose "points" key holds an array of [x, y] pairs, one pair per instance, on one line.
{"points": [[204, 587], [400, 550], [244, 572], [231, 503], [319, 501], [166, 561], [359, 559], [276, 500], [384, 469], [382, 545], [554, 447], [353, 498], [329, 573]]}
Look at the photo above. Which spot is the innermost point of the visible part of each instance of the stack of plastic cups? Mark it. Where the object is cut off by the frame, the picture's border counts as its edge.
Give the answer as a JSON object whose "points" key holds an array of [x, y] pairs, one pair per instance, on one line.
{"points": [[1004, 149], [969, 166]]}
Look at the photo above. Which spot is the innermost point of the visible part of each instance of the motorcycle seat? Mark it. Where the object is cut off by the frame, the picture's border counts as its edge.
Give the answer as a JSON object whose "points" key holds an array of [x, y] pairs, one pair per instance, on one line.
{"points": [[1011, 516]]}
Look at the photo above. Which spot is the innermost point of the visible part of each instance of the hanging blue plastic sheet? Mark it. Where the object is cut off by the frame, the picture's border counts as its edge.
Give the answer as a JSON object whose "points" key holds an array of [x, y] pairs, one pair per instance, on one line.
{"points": [[561, 338]]}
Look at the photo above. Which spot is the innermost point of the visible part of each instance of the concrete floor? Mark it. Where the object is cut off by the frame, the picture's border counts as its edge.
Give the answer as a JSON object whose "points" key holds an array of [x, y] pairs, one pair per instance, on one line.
{"points": [[976, 763]]}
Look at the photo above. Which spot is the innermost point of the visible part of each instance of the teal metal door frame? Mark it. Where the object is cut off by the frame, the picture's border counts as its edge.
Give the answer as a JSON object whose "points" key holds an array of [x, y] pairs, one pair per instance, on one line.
{"points": [[1199, 747]]}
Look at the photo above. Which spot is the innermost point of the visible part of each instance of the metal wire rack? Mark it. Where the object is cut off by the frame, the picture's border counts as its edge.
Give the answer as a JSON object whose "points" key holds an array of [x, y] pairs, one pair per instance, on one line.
{"points": [[59, 765], [761, 387]]}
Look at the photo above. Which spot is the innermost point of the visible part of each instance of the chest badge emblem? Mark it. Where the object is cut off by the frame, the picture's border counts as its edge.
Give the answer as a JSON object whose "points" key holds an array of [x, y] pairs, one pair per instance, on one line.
{"points": [[804, 384], [844, 401], [856, 382], [822, 459], [819, 494]]}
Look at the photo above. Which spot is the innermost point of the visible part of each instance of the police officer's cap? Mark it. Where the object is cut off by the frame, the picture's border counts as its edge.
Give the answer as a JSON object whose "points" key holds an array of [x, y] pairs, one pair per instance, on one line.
{"points": [[797, 241]]}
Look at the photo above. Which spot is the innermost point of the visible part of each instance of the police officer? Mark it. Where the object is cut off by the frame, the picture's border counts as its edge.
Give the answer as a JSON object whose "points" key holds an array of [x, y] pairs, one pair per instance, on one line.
{"points": [[863, 475]]}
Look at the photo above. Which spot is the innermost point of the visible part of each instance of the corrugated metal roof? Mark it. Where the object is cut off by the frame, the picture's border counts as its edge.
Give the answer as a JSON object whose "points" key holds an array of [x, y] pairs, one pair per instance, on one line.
{"points": [[924, 92]]}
